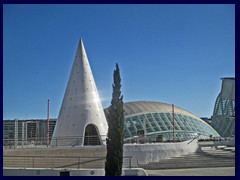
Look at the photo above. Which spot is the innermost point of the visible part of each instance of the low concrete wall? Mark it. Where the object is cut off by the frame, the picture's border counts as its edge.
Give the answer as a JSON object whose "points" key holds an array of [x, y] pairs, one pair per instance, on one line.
{"points": [[68, 172], [87, 151], [52, 157], [29, 172], [143, 154]]}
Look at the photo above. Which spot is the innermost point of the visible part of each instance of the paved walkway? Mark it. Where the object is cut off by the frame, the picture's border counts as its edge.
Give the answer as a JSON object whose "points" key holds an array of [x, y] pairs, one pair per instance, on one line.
{"points": [[219, 171], [209, 162], [208, 158]]}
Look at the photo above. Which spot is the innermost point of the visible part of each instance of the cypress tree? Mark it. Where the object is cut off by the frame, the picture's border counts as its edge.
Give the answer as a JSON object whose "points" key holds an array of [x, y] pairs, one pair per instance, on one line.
{"points": [[115, 118]]}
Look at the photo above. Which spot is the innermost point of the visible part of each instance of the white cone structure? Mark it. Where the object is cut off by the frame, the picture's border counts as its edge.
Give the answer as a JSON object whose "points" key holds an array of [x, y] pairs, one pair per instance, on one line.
{"points": [[81, 120]]}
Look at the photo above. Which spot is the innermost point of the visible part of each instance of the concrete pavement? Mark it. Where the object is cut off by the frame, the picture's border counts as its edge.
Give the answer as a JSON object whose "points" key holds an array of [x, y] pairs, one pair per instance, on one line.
{"points": [[217, 171], [210, 162]]}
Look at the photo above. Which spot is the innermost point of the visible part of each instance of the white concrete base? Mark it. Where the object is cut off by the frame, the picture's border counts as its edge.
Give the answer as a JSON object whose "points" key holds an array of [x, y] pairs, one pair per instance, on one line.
{"points": [[146, 153], [68, 172]]}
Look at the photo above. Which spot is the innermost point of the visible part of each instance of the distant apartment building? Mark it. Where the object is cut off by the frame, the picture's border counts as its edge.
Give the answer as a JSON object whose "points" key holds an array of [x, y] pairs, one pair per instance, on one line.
{"points": [[18, 132]]}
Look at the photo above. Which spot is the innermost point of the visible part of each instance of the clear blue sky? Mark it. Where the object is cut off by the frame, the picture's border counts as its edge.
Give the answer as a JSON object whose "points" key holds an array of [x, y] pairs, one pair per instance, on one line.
{"points": [[169, 53]]}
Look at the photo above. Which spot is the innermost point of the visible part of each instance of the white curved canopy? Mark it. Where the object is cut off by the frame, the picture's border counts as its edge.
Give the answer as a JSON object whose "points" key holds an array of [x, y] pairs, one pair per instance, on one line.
{"points": [[136, 107]]}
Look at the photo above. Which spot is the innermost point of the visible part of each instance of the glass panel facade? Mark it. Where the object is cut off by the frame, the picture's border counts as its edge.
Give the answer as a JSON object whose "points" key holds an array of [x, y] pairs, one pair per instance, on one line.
{"points": [[186, 127]]}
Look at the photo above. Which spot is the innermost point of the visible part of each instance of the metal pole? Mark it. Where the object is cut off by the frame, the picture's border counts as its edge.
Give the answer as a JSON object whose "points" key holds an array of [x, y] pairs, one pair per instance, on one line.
{"points": [[48, 113], [173, 123]]}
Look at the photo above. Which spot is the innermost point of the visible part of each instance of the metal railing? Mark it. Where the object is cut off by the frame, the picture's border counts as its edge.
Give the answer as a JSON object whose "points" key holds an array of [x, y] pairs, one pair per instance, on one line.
{"points": [[71, 141], [218, 141], [60, 162], [195, 137], [227, 141], [78, 141]]}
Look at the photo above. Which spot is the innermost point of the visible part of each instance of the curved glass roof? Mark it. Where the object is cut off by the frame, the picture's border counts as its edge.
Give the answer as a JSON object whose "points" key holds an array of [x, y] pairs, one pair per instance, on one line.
{"points": [[155, 118]]}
